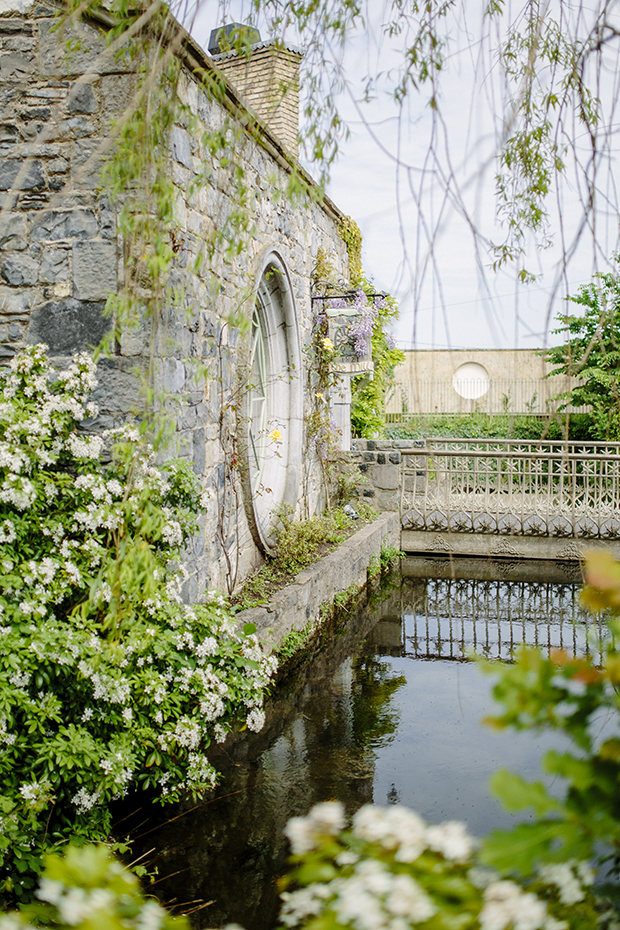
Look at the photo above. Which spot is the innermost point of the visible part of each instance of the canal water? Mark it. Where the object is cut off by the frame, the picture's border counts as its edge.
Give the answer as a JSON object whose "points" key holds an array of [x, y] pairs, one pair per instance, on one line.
{"points": [[388, 710]]}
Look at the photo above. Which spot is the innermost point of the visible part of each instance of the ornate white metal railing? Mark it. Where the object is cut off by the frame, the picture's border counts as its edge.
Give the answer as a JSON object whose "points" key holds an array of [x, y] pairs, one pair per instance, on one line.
{"points": [[531, 446], [513, 488]]}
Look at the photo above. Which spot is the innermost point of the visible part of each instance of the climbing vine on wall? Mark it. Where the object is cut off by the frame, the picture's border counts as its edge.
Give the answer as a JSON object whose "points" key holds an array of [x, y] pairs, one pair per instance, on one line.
{"points": [[351, 235], [369, 393]]}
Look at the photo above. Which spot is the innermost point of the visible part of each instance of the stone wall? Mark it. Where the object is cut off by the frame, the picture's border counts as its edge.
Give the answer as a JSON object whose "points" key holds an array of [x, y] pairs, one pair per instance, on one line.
{"points": [[378, 462], [60, 256], [516, 382]]}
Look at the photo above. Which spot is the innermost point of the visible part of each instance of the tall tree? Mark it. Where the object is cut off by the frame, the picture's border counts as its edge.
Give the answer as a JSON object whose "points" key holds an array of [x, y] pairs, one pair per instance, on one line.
{"points": [[591, 352]]}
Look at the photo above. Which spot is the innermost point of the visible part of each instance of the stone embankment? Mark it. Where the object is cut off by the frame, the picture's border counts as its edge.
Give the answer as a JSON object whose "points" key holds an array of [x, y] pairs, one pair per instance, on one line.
{"points": [[299, 603]]}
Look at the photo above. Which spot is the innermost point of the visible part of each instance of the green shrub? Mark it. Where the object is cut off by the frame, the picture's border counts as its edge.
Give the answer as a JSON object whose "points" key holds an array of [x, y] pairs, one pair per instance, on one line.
{"points": [[108, 682], [479, 425], [87, 888], [298, 545]]}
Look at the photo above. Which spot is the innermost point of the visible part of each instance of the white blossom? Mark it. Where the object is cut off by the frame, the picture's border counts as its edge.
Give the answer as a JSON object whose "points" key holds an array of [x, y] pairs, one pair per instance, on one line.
{"points": [[569, 878], [451, 839], [303, 833], [508, 906], [84, 801], [256, 720], [395, 827]]}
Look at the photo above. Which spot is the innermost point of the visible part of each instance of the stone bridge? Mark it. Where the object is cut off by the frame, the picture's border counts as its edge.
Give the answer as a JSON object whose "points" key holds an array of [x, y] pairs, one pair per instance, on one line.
{"points": [[500, 499]]}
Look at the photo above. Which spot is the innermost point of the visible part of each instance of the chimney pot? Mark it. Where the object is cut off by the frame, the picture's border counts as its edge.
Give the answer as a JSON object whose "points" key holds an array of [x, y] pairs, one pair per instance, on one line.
{"points": [[225, 38]]}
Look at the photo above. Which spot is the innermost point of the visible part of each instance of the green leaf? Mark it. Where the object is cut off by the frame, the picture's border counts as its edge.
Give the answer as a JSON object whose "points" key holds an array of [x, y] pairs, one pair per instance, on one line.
{"points": [[519, 849], [517, 794]]}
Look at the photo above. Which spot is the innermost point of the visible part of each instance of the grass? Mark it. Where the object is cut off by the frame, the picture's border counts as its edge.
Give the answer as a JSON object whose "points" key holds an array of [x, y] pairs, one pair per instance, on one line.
{"points": [[298, 546]]}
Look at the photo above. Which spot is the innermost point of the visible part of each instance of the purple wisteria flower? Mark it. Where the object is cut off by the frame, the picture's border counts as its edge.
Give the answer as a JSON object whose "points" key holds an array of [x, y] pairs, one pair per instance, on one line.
{"points": [[360, 331]]}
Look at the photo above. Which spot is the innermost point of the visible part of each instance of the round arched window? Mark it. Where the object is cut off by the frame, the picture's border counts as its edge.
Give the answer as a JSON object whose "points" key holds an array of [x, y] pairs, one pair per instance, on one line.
{"points": [[274, 403]]}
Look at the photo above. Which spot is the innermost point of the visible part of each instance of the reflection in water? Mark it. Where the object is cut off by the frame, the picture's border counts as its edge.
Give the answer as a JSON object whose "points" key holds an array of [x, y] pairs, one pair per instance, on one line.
{"points": [[366, 719], [449, 619], [319, 743]]}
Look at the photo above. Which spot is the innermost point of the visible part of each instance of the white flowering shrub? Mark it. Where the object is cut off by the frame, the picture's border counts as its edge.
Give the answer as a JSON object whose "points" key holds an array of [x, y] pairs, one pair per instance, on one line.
{"points": [[108, 682], [388, 870], [85, 888]]}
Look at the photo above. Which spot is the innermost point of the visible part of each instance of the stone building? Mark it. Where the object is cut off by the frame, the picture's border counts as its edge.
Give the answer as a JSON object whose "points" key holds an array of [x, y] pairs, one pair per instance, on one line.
{"points": [[61, 255]]}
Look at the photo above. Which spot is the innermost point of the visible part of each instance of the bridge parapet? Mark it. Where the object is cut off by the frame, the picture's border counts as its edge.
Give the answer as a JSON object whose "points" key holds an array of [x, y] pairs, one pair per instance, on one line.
{"points": [[513, 489], [498, 497]]}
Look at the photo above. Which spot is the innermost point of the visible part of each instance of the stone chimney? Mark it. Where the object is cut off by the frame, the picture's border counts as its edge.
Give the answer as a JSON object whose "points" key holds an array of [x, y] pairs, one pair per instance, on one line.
{"points": [[266, 74]]}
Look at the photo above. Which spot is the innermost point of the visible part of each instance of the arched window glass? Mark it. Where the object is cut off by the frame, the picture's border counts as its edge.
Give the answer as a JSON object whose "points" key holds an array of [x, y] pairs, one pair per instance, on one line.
{"points": [[258, 400]]}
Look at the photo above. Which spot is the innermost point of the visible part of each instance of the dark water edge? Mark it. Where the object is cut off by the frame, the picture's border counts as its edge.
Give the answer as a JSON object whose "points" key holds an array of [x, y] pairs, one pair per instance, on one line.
{"points": [[231, 846], [364, 718]]}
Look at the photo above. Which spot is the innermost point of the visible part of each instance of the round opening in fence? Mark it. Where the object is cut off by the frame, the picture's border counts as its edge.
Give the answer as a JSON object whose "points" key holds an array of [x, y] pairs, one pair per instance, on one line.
{"points": [[471, 381]]}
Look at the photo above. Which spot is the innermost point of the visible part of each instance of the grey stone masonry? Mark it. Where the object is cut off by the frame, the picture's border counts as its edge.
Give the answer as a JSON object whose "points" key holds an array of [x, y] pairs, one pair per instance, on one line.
{"points": [[61, 258], [378, 462]]}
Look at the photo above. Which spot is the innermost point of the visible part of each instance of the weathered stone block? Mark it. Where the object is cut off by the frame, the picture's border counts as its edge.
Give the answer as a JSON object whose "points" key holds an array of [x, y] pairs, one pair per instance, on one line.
{"points": [[90, 55], [14, 303], [65, 224], [386, 477], [82, 99], [199, 451], [21, 175], [395, 458], [107, 216], [68, 326], [180, 146], [116, 92], [54, 266], [15, 25], [38, 112], [16, 66], [20, 270], [86, 173], [118, 391], [94, 269], [78, 127], [13, 232]]}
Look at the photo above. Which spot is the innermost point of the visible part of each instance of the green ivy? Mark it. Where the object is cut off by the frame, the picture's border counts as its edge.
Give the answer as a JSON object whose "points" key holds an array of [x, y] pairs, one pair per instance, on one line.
{"points": [[368, 393]]}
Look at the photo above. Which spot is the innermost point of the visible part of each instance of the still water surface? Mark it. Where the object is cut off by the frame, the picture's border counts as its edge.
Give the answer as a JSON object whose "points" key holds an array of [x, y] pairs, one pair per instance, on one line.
{"points": [[387, 712]]}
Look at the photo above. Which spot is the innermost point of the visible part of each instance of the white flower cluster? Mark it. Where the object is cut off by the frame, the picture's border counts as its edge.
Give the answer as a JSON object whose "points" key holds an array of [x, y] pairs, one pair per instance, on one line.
{"points": [[305, 833], [176, 675], [570, 878], [96, 906], [84, 801], [374, 895], [34, 793], [509, 907], [394, 828], [371, 898]]}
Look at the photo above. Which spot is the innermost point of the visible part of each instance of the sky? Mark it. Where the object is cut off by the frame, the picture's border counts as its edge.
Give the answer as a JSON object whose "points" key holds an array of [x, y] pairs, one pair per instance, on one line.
{"points": [[418, 245]]}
